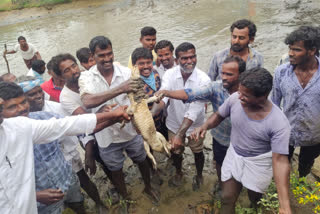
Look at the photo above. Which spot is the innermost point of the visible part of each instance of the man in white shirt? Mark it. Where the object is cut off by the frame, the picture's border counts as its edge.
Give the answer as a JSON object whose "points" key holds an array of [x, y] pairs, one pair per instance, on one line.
{"points": [[164, 50], [35, 98], [183, 118], [28, 52], [17, 135], [66, 68], [108, 83]]}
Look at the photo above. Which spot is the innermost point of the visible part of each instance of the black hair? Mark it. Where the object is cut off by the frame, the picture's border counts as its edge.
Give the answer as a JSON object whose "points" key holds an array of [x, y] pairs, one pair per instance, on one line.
{"points": [[148, 31], [50, 64], [36, 65], [243, 23], [308, 34], [241, 63], [141, 53], [60, 58], [10, 90], [101, 41], [21, 38], [258, 80], [83, 55], [184, 47], [163, 44]]}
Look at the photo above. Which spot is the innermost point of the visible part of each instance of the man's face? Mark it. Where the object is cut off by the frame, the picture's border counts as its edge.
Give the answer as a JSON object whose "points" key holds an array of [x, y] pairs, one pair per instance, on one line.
{"points": [[165, 56], [104, 58], [148, 41], [247, 97], [187, 60], [35, 98], [70, 71], [145, 66], [1, 109], [230, 74], [240, 39], [298, 54], [16, 107], [23, 43], [91, 62]]}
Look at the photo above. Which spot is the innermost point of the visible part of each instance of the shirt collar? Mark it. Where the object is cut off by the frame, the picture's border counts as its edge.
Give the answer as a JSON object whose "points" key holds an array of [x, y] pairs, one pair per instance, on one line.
{"points": [[116, 72]]}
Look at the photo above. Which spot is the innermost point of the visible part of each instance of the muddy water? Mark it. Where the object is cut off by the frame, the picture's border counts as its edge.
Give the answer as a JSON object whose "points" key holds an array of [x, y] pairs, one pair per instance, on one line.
{"points": [[205, 23], [65, 28]]}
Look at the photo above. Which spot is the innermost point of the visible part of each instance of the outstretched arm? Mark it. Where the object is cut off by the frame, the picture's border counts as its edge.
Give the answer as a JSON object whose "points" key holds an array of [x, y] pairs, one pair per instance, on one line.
{"points": [[176, 141], [281, 172], [94, 100], [213, 121], [177, 94]]}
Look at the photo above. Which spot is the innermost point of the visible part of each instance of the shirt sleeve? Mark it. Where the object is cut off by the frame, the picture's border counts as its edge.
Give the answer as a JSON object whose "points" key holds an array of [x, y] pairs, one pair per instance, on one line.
{"points": [[276, 94], [130, 63], [16, 47], [45, 131], [68, 104], [225, 109], [280, 135], [84, 82], [213, 69], [200, 94]]}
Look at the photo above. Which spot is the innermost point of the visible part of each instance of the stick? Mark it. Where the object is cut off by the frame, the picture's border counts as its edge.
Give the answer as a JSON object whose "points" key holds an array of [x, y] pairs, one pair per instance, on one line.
{"points": [[5, 58]]}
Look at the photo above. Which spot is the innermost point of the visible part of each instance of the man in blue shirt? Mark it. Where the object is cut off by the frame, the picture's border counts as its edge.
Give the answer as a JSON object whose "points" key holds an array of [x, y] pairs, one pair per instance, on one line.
{"points": [[297, 84], [217, 92]]}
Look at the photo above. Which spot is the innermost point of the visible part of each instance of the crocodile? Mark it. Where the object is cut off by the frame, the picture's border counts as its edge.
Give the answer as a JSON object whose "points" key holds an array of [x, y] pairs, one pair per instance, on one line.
{"points": [[143, 121]]}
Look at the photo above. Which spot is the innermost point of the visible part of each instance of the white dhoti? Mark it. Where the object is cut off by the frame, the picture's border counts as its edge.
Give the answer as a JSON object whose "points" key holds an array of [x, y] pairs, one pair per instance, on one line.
{"points": [[254, 173]]}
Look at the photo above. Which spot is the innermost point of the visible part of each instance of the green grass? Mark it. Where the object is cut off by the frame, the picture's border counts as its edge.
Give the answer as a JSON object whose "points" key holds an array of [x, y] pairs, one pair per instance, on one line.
{"points": [[6, 5]]}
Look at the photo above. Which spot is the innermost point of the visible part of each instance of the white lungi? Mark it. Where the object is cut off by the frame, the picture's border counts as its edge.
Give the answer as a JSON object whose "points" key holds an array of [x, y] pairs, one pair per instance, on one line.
{"points": [[254, 173]]}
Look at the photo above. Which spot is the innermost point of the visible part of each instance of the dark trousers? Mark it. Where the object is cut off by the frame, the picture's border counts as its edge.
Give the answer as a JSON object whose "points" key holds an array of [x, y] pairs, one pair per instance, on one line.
{"points": [[306, 158]]}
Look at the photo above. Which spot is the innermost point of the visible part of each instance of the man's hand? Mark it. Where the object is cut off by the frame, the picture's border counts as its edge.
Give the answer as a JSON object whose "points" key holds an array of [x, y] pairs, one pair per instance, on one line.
{"points": [[49, 196], [176, 142], [284, 211], [106, 108], [199, 132], [132, 85], [121, 113], [90, 162], [162, 93]]}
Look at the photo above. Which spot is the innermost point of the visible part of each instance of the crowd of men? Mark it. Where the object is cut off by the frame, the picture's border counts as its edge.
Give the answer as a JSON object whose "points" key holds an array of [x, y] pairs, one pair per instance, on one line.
{"points": [[257, 123]]}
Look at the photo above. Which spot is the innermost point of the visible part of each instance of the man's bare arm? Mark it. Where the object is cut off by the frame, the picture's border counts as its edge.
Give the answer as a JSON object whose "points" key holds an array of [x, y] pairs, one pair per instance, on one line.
{"points": [[9, 52], [177, 94], [38, 55], [213, 121], [281, 172], [94, 100]]}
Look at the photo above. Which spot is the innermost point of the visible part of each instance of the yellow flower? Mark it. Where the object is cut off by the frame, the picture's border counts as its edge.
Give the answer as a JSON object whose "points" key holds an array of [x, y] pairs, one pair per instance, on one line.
{"points": [[301, 201]]}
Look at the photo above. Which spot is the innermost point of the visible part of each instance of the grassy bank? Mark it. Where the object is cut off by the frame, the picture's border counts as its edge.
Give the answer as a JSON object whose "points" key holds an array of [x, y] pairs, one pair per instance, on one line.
{"points": [[6, 5]]}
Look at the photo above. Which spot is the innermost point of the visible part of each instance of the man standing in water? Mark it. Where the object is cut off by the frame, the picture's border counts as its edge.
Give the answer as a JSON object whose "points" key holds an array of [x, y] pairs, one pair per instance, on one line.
{"points": [[28, 52], [298, 84], [108, 83], [242, 34], [259, 142]]}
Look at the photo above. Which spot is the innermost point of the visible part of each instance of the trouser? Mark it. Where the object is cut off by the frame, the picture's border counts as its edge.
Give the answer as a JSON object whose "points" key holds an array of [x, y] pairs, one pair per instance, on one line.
{"points": [[307, 156]]}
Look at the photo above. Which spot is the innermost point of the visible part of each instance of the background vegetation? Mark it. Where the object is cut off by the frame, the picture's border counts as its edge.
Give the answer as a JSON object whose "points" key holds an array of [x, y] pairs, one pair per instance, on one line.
{"points": [[6, 5]]}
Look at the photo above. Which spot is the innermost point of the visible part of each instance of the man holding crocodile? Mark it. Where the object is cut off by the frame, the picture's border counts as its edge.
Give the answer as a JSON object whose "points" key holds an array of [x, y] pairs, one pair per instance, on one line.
{"points": [[108, 83]]}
